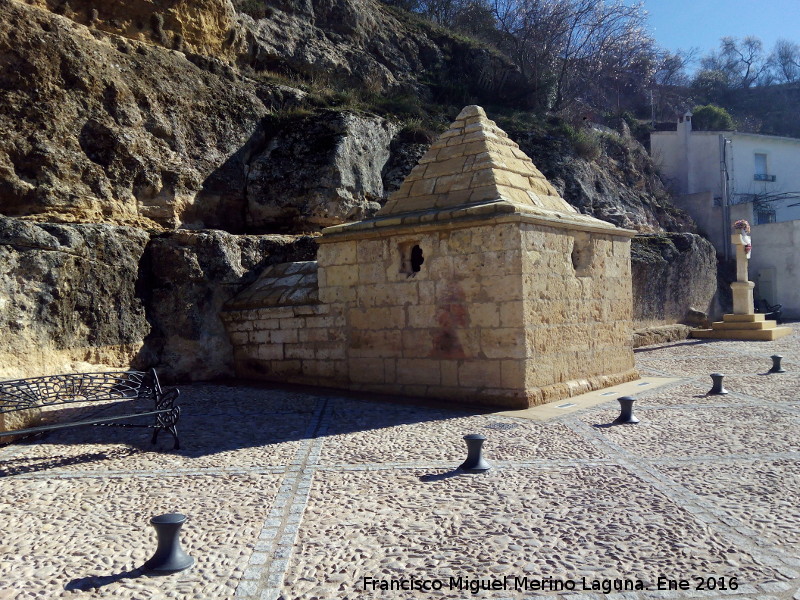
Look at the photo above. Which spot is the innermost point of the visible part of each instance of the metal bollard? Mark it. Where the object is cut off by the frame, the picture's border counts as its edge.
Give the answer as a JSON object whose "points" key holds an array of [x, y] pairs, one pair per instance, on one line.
{"points": [[717, 387], [626, 411], [169, 556], [776, 364], [475, 462]]}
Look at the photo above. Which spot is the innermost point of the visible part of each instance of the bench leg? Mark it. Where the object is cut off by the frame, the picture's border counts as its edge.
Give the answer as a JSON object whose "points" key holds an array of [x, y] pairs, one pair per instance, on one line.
{"points": [[173, 431]]}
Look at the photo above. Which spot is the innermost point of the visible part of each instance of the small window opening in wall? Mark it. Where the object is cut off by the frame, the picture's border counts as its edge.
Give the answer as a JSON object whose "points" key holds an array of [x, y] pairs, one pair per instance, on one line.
{"points": [[582, 255], [411, 258]]}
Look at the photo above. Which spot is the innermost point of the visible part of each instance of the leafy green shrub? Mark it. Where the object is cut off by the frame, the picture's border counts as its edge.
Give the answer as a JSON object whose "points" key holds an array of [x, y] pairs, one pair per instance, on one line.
{"points": [[585, 143], [416, 131], [711, 118]]}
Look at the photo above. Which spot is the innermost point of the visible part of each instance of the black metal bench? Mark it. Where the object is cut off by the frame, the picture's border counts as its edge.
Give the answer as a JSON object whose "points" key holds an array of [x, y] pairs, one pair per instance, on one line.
{"points": [[140, 392], [772, 312]]}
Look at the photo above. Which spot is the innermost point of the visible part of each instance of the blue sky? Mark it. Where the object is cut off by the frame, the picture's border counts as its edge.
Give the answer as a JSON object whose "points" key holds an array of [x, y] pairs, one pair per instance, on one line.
{"points": [[701, 23]]}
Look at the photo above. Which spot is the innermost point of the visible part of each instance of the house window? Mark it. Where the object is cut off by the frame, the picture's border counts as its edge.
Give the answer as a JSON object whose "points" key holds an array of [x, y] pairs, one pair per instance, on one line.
{"points": [[761, 172], [765, 215]]}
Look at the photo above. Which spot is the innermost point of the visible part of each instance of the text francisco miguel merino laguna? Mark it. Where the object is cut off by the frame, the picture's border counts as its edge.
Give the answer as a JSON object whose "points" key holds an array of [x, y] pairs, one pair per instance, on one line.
{"points": [[475, 585]]}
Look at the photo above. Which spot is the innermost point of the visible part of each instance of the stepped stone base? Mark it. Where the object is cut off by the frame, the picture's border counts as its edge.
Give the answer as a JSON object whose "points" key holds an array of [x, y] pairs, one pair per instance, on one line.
{"points": [[743, 327]]}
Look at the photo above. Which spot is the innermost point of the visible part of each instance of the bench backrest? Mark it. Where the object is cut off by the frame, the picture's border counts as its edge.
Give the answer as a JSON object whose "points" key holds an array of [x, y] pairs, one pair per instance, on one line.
{"points": [[19, 394]]}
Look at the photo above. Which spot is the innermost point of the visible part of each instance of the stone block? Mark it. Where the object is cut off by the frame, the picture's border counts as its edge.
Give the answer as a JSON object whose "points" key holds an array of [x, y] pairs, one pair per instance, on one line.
{"points": [[259, 337], [396, 294], [377, 318], [480, 374], [239, 337], [342, 275], [438, 267], [501, 288], [450, 152], [19, 420], [267, 324], [416, 343], [270, 352], [449, 370], [422, 187], [427, 292], [334, 350], [510, 178], [485, 314], [482, 194], [456, 140], [375, 343], [319, 369], [511, 314], [371, 251], [446, 167], [503, 343], [390, 370], [418, 172], [366, 370], [337, 253], [337, 294], [512, 374], [421, 316], [298, 351], [418, 371], [371, 273], [307, 334]]}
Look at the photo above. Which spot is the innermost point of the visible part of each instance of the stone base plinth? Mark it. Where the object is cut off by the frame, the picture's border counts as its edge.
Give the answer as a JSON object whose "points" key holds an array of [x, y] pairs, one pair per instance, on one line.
{"points": [[743, 327], [743, 297]]}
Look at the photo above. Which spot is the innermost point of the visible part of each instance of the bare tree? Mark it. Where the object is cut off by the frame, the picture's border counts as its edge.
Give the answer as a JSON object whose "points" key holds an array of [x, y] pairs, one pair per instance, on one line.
{"points": [[671, 68], [785, 60], [741, 61], [568, 48]]}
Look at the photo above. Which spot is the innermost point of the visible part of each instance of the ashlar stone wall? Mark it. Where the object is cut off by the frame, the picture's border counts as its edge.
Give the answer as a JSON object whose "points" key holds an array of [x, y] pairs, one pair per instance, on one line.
{"points": [[578, 303]]}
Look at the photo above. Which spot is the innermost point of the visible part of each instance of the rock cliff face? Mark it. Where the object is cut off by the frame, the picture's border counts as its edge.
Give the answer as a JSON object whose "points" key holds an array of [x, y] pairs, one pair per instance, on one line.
{"points": [[674, 276], [200, 26], [96, 127], [69, 297]]}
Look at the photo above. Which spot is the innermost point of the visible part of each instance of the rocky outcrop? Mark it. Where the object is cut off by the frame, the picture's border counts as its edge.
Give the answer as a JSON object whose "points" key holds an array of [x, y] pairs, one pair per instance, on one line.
{"points": [[367, 44], [674, 278], [200, 26], [618, 184], [189, 276], [95, 127], [69, 297], [319, 171]]}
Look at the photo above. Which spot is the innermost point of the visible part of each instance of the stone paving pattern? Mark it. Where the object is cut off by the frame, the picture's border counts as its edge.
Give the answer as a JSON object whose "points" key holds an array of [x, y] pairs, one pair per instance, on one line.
{"points": [[300, 494]]}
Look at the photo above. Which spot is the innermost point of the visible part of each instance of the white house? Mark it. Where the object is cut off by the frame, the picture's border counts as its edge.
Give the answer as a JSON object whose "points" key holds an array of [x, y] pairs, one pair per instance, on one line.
{"points": [[719, 177]]}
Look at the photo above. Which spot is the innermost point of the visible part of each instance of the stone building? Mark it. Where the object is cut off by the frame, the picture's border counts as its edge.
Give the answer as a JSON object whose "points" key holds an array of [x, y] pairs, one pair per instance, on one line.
{"points": [[475, 283]]}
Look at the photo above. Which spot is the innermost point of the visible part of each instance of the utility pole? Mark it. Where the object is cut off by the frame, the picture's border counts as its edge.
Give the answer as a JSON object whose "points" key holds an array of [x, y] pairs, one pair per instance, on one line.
{"points": [[723, 173]]}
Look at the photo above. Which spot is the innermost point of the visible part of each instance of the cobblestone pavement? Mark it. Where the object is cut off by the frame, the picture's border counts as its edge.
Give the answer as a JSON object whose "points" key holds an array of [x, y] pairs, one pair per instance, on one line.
{"points": [[301, 495]]}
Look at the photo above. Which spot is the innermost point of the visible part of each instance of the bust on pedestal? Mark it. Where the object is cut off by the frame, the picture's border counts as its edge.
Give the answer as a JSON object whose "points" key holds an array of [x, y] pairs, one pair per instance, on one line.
{"points": [[742, 288], [743, 323]]}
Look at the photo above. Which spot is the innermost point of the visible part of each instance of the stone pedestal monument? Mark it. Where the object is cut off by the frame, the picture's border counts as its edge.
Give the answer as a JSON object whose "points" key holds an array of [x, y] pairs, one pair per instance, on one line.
{"points": [[743, 323]]}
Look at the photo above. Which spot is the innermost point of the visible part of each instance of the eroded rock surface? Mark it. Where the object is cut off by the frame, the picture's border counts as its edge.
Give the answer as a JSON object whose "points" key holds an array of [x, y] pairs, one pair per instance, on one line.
{"points": [[674, 276], [95, 127], [69, 297], [319, 171]]}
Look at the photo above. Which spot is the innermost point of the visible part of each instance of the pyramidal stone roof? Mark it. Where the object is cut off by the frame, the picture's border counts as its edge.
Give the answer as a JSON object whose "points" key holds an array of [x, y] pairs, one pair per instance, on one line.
{"points": [[475, 162]]}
